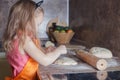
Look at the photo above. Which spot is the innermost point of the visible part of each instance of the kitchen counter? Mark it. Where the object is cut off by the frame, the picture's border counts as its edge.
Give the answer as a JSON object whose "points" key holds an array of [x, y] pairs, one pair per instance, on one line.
{"points": [[83, 71], [79, 73]]}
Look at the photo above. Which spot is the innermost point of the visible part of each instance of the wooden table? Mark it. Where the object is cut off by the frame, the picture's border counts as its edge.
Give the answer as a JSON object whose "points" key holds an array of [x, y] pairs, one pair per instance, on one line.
{"points": [[53, 69], [80, 68]]}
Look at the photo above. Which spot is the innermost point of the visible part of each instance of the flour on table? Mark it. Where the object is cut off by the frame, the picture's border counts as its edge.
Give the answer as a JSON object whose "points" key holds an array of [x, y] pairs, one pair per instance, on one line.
{"points": [[65, 61]]}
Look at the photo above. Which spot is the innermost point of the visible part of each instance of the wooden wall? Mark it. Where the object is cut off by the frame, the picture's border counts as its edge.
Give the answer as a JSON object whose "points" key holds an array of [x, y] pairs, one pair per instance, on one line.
{"points": [[96, 23]]}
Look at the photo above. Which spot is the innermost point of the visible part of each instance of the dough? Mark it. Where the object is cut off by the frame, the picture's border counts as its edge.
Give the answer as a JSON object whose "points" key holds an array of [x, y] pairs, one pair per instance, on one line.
{"points": [[49, 43], [101, 52], [65, 61]]}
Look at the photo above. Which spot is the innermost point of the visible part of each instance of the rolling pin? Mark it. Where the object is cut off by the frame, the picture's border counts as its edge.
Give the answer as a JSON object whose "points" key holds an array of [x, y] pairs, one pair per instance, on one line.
{"points": [[98, 63]]}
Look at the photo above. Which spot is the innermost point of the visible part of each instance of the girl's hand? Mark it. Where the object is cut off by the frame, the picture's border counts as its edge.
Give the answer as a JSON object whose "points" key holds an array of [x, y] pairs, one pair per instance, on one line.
{"points": [[50, 49]]}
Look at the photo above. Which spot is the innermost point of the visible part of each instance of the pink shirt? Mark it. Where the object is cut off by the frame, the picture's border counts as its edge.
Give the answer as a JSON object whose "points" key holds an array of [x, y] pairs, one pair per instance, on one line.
{"points": [[16, 59]]}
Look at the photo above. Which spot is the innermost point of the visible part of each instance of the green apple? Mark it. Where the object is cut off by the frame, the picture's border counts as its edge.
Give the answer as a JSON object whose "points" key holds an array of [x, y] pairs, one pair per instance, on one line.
{"points": [[56, 31], [62, 31]]}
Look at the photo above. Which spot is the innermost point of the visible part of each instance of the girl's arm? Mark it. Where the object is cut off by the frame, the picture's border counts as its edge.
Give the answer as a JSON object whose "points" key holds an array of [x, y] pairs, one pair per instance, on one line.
{"points": [[39, 56]]}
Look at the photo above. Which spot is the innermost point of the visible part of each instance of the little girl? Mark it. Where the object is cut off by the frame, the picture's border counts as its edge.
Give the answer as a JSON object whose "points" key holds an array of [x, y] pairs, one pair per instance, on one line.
{"points": [[21, 44]]}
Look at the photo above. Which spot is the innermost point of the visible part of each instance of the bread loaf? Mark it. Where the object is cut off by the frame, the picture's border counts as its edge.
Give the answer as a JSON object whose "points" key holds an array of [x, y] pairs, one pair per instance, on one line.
{"points": [[101, 52]]}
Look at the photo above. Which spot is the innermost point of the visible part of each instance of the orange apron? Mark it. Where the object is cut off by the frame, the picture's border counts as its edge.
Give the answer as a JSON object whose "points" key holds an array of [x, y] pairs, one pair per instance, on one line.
{"points": [[29, 71]]}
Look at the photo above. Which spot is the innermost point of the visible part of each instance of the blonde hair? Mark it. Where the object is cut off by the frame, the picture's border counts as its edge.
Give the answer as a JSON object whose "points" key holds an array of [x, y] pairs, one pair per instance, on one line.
{"points": [[22, 12]]}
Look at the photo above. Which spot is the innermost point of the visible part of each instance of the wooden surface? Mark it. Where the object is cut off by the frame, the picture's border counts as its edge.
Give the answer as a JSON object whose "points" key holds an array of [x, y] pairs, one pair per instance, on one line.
{"points": [[81, 67]]}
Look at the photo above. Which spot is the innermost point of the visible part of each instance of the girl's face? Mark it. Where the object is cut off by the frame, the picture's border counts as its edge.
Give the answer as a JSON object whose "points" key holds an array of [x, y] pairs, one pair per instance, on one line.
{"points": [[38, 20]]}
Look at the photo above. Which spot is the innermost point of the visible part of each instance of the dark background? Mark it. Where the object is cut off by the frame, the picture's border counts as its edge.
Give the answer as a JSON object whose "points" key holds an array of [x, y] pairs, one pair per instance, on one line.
{"points": [[96, 23]]}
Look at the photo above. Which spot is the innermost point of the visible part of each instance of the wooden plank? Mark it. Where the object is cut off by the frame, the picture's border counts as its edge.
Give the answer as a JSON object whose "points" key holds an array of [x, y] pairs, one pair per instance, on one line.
{"points": [[62, 69], [81, 67]]}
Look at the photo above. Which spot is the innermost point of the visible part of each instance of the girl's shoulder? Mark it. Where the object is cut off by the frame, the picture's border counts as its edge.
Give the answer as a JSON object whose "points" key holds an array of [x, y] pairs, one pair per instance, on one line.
{"points": [[16, 49]]}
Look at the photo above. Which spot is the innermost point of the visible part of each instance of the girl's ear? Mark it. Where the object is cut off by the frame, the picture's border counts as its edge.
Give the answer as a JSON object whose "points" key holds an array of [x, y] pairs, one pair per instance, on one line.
{"points": [[38, 11]]}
